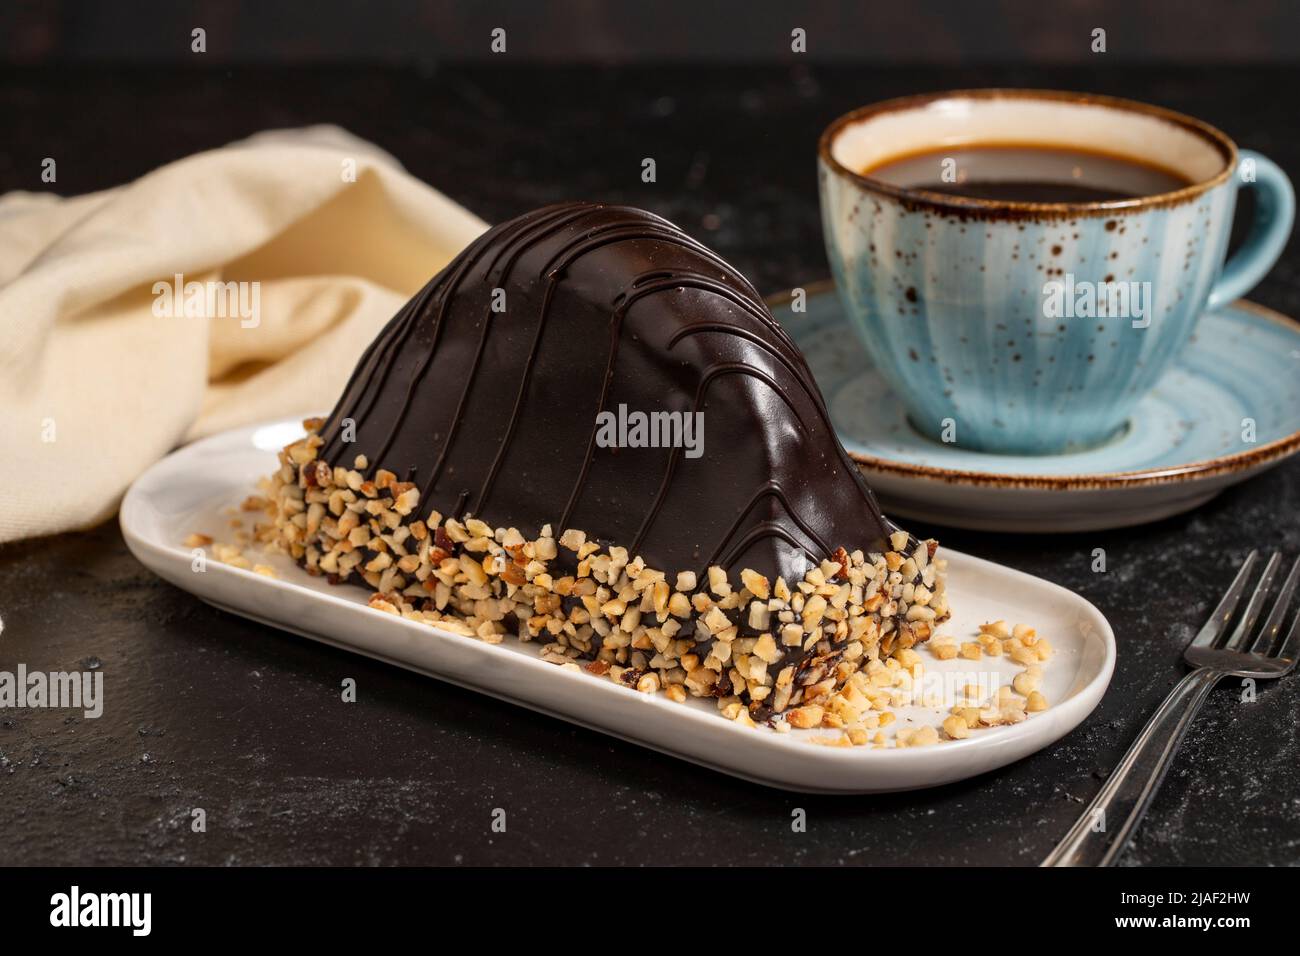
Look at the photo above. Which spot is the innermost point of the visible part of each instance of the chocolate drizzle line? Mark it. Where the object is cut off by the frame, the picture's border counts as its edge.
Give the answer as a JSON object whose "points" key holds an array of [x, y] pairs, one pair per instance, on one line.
{"points": [[607, 306]]}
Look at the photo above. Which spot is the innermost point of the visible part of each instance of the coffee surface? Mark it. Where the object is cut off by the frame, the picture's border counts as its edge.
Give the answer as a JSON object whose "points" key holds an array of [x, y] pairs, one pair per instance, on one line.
{"points": [[1027, 173]]}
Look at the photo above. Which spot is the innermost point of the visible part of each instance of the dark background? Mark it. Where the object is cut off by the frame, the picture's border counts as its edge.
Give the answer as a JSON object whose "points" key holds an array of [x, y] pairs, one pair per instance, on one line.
{"points": [[205, 709], [879, 32]]}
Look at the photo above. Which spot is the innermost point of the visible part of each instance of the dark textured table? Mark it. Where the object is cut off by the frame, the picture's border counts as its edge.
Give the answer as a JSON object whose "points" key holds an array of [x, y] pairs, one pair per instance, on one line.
{"points": [[209, 710]]}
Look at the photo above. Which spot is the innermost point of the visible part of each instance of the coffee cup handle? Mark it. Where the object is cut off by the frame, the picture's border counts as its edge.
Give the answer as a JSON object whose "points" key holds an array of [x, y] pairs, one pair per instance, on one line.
{"points": [[1274, 214]]}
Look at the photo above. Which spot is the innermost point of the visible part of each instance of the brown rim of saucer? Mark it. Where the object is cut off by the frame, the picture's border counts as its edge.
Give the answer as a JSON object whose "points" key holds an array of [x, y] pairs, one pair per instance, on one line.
{"points": [[1106, 480], [989, 209]]}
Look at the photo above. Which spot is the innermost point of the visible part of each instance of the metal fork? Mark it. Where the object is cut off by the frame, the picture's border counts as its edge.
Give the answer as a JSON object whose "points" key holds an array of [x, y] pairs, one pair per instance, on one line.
{"points": [[1245, 652]]}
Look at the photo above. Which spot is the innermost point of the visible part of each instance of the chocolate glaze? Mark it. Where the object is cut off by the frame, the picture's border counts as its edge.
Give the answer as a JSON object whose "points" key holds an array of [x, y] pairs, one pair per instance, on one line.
{"points": [[493, 413]]}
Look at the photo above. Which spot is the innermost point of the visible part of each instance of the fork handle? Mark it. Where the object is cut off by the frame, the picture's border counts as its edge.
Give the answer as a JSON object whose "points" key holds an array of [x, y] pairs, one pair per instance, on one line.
{"points": [[1127, 793]]}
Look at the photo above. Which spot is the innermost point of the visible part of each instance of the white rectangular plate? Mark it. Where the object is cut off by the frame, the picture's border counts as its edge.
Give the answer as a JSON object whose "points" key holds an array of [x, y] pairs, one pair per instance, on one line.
{"points": [[191, 489]]}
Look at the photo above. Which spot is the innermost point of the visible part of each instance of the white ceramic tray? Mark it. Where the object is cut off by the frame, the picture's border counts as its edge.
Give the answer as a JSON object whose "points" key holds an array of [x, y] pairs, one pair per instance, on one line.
{"points": [[191, 489]]}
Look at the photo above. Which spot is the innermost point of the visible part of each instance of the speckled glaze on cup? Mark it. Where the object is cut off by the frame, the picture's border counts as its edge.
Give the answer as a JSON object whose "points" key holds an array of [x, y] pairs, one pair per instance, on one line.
{"points": [[947, 293]]}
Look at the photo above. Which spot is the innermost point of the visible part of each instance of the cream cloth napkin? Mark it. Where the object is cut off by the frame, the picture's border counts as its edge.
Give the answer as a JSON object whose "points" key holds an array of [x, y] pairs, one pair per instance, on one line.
{"points": [[99, 378]]}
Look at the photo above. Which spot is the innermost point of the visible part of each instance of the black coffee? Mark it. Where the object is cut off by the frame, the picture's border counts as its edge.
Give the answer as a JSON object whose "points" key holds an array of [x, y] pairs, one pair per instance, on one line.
{"points": [[1019, 173]]}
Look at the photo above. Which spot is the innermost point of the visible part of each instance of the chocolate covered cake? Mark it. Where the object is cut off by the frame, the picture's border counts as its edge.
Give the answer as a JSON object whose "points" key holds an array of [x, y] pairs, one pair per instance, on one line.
{"points": [[588, 431]]}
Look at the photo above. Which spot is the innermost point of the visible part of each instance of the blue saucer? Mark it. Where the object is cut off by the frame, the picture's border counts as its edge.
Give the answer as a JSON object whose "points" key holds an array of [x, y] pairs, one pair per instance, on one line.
{"points": [[1228, 409]]}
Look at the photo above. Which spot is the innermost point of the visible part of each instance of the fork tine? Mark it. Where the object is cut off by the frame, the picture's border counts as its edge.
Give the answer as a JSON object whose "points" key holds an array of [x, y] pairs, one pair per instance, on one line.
{"points": [[1291, 646], [1214, 625], [1240, 636]]}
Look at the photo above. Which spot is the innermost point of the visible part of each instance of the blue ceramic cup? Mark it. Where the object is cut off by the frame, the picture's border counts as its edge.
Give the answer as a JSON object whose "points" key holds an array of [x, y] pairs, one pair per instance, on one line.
{"points": [[1034, 327]]}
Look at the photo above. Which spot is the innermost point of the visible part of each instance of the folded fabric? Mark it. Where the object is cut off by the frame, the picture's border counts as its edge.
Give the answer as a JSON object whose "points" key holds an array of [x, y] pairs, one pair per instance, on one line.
{"points": [[228, 287]]}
